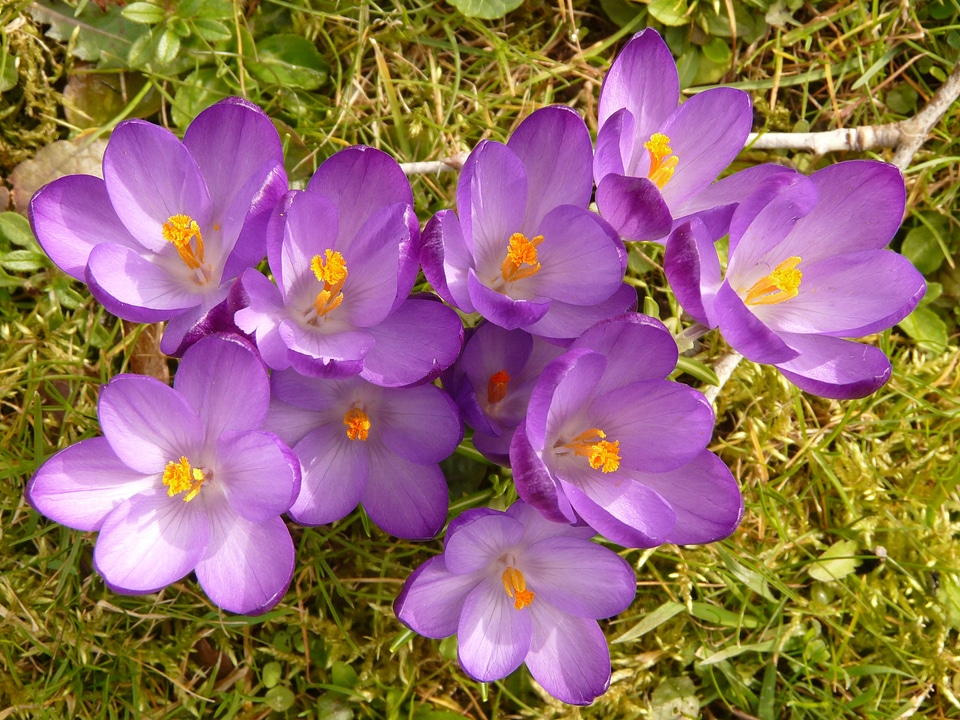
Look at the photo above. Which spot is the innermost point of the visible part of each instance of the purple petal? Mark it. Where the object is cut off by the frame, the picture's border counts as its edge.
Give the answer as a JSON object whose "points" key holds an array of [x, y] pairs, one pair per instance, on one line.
{"points": [[81, 484], [536, 527], [394, 360], [71, 216], [245, 461], [420, 424], [248, 566], [706, 134], [564, 390], [150, 176], [495, 199], [310, 225], [564, 321], [403, 498], [705, 497], [444, 256], [148, 424], [568, 656], [502, 309], [692, 267], [553, 144], [579, 577], [493, 637], [623, 511], [614, 139], [150, 541], [746, 333], [313, 347], [534, 482], [644, 80], [637, 347], [291, 424], [835, 368], [472, 546], [128, 279], [634, 207], [262, 318], [209, 377], [432, 598], [370, 291], [335, 471]]}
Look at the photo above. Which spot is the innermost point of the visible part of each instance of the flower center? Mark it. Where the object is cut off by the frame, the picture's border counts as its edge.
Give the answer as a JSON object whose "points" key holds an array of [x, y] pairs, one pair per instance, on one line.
{"points": [[521, 260], [601, 454], [358, 424], [184, 233], [662, 160], [330, 270], [181, 477], [782, 284], [497, 387], [516, 587]]}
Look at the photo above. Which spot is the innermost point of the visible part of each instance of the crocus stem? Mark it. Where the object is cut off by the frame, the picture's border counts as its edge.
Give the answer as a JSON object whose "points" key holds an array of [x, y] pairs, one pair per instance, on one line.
{"points": [[724, 369]]}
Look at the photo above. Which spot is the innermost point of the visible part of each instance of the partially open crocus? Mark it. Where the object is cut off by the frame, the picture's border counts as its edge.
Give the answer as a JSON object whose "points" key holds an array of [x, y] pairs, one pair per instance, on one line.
{"points": [[183, 480], [610, 442], [360, 443], [344, 256], [522, 249], [807, 269], [516, 588], [172, 224], [653, 158]]}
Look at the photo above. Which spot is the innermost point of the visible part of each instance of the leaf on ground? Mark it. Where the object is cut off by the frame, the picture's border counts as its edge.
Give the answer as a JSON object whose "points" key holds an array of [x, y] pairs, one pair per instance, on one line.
{"points": [[64, 157], [103, 36], [836, 562], [674, 698], [927, 328], [486, 9]]}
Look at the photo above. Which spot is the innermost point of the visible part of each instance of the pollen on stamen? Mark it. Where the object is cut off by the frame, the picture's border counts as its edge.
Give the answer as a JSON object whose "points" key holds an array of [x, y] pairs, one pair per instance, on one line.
{"points": [[180, 230], [602, 454], [516, 586], [662, 160], [497, 387], [357, 423], [521, 260], [182, 477], [331, 270], [781, 284]]}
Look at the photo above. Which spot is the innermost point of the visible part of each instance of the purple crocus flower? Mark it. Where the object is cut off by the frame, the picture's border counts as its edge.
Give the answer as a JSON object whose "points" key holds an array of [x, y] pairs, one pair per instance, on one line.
{"points": [[172, 224], [523, 250], [344, 255], [655, 159], [516, 588], [807, 268], [608, 441], [362, 443], [492, 382], [183, 480]]}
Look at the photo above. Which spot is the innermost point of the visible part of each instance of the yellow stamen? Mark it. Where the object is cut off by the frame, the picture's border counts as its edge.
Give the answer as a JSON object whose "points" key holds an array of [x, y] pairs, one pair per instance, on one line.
{"points": [[662, 161], [782, 284], [180, 230], [181, 477], [331, 270], [358, 424], [516, 587], [601, 454], [521, 260], [497, 387]]}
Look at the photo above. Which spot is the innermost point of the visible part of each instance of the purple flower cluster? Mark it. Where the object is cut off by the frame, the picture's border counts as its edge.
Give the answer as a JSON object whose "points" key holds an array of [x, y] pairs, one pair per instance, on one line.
{"points": [[310, 390]]}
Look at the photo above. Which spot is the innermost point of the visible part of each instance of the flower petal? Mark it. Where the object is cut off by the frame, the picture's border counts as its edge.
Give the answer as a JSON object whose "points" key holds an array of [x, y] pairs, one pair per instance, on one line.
{"points": [[502, 309], [260, 475], [403, 498], [495, 199], [432, 598], [835, 368], [564, 321], [634, 207], [623, 511], [493, 637], [81, 484], [637, 347], [125, 282], [445, 259], [692, 267], [420, 424], [746, 333], [149, 541], [534, 481], [310, 228], [472, 546], [248, 566], [335, 471], [643, 79]]}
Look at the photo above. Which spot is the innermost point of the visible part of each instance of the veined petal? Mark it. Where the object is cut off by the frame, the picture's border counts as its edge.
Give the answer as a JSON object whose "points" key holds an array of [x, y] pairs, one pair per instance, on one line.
{"points": [[835, 368], [692, 267], [502, 309], [149, 541], [335, 341], [291, 424], [420, 424], [478, 543], [71, 216], [564, 321], [247, 566], [553, 144], [624, 512], [549, 407], [147, 423], [568, 655], [405, 499], [81, 484], [497, 204], [432, 599], [260, 475], [310, 227], [536, 527], [637, 347], [493, 637], [579, 577], [151, 176], [371, 290], [746, 333], [614, 134], [535, 484], [128, 279], [644, 80], [335, 471], [634, 206], [445, 259], [209, 375], [262, 317]]}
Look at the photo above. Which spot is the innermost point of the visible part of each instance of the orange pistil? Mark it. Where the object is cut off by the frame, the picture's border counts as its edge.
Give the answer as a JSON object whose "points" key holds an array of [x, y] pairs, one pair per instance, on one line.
{"points": [[662, 160], [497, 387], [521, 260], [600, 453], [358, 424], [331, 270], [184, 233], [181, 477], [781, 284], [516, 587]]}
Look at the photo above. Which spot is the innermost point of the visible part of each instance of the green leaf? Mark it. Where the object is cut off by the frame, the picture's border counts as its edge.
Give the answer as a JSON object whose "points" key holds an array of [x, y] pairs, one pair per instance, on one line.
{"points": [[24, 261], [343, 675], [650, 621], [621, 12], [902, 99], [144, 13], [199, 90], [836, 562], [920, 247], [271, 674], [279, 699], [697, 369], [15, 230], [8, 72], [717, 615], [718, 51], [102, 37], [670, 12], [211, 30], [674, 698], [486, 9], [927, 328], [168, 46], [290, 61]]}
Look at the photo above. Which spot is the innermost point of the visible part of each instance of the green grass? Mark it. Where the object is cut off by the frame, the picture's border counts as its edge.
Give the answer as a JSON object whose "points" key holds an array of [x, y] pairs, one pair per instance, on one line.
{"points": [[740, 629]]}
